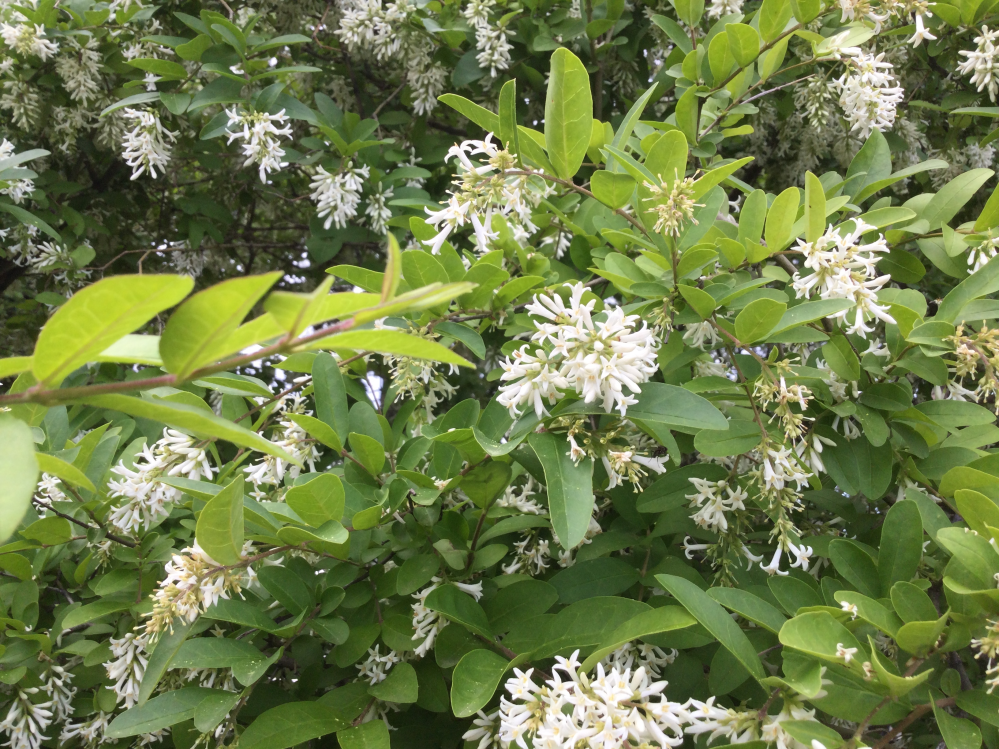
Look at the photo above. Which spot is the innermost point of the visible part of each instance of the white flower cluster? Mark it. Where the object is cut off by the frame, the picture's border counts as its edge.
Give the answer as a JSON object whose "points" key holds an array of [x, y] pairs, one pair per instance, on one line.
{"points": [[532, 555], [49, 491], [484, 189], [491, 40], [419, 379], [653, 659], [613, 708], [374, 27], [337, 195], [175, 454], [58, 685], [378, 210], [146, 146], [26, 721], [713, 500], [292, 439], [780, 469], [28, 39], [427, 79], [846, 268], [428, 623], [802, 556], [866, 93], [79, 68], [719, 8], [91, 732], [128, 666], [628, 465], [519, 498], [599, 361], [16, 189], [981, 64], [195, 582], [374, 669], [261, 144]]}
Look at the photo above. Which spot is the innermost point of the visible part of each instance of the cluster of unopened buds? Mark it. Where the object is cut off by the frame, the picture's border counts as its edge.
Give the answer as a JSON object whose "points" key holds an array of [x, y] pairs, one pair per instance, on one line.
{"points": [[673, 204]]}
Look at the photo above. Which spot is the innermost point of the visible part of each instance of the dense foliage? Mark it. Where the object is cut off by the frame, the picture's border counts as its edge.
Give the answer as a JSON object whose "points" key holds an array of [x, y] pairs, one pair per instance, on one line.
{"points": [[639, 392]]}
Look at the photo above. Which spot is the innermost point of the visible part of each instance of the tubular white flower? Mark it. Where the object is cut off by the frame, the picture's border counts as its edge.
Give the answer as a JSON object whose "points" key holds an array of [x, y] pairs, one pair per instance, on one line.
{"points": [[866, 94], [338, 195], [981, 64], [128, 666], [603, 361], [714, 499], [146, 147], [261, 144], [26, 721]]}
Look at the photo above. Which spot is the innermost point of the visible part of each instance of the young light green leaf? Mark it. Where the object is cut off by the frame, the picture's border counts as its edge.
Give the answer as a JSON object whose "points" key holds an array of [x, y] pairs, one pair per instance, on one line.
{"points": [[198, 332], [815, 208], [220, 525], [390, 342], [97, 316], [18, 473]]}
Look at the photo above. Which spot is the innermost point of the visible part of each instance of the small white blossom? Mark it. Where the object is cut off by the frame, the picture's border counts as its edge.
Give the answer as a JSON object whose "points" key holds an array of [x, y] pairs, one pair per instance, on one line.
{"points": [[146, 145], [261, 144]]}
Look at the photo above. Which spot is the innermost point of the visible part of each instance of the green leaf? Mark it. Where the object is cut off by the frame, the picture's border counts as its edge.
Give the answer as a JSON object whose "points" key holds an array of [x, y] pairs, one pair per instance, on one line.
{"points": [[677, 408], [291, 724], [331, 395], [841, 358], [416, 572], [318, 500], [213, 709], [757, 319], [612, 189], [199, 422], [97, 316], [780, 219], [740, 437], [368, 451], [475, 680], [689, 11], [958, 733], [130, 101], [818, 633], [750, 607], [716, 620], [159, 660], [808, 731], [606, 576], [570, 487], [198, 332], [373, 735], [654, 622], [461, 608], [881, 184], [687, 116], [161, 712], [855, 566], [391, 342], [744, 43], [568, 113], [92, 611], [318, 430], [858, 467], [26, 217], [701, 301], [815, 208], [806, 312], [399, 687], [952, 197], [901, 545], [486, 482], [220, 652], [220, 524], [18, 473], [982, 282], [164, 68]]}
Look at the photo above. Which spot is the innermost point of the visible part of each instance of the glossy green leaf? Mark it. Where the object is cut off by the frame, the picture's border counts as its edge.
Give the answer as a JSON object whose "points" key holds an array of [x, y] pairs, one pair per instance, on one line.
{"points": [[18, 473], [568, 113], [570, 487]]}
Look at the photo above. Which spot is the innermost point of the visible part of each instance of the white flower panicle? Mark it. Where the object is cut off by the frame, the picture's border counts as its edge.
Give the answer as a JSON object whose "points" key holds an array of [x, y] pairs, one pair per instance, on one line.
{"points": [[174, 455], [604, 361], [713, 499], [484, 189], [261, 138], [374, 669], [981, 64], [378, 211], [653, 659], [428, 623], [844, 267], [867, 95], [128, 666], [193, 583], [78, 67], [28, 39], [146, 145], [26, 721], [491, 40], [293, 440], [58, 685], [615, 707], [90, 732], [337, 195]]}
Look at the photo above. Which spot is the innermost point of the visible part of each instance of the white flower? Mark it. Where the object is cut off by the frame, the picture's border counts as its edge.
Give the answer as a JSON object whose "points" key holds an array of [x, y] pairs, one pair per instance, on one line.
{"points": [[378, 210], [128, 666], [261, 144], [653, 659], [780, 468], [866, 94], [28, 39], [719, 8], [78, 67], [58, 685], [850, 608], [427, 82], [615, 707], [146, 149], [519, 498], [374, 669], [26, 720], [845, 653], [146, 497], [337, 195], [774, 567], [604, 362], [981, 64], [91, 732], [292, 439], [845, 268], [701, 335], [921, 32], [428, 623], [714, 499]]}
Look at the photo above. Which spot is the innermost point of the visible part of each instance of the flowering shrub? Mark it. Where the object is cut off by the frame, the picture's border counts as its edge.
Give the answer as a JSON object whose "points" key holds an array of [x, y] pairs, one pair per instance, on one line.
{"points": [[652, 404]]}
